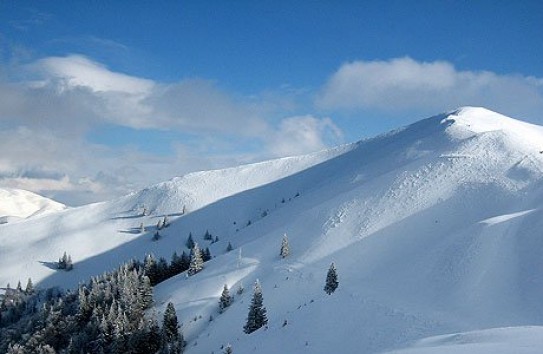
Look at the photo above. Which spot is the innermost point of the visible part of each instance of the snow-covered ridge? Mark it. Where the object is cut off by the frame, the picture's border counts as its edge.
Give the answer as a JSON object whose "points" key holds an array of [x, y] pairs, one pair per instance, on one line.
{"points": [[434, 229], [17, 203]]}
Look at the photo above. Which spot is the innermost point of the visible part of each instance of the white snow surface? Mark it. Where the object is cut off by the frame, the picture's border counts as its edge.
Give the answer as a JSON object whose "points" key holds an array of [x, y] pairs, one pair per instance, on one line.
{"points": [[434, 228], [517, 340], [17, 203]]}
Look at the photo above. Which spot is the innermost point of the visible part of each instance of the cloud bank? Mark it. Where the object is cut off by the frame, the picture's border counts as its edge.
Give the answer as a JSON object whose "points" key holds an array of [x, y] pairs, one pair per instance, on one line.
{"points": [[47, 113], [405, 84]]}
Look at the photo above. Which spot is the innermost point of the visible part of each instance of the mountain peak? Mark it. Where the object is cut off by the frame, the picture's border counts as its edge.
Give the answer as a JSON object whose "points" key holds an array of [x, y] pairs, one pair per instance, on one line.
{"points": [[480, 119], [20, 203], [467, 121]]}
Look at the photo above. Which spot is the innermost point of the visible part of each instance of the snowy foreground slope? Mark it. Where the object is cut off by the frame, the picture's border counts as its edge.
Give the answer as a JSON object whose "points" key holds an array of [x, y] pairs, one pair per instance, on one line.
{"points": [[16, 204], [435, 229]]}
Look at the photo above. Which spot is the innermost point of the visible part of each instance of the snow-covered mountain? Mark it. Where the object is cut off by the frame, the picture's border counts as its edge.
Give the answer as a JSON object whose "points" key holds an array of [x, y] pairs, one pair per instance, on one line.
{"points": [[16, 204], [435, 229]]}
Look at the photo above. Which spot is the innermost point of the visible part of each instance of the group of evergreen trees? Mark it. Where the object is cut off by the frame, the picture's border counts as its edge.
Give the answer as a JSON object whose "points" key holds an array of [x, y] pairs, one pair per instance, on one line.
{"points": [[107, 315], [160, 270], [104, 316], [65, 262]]}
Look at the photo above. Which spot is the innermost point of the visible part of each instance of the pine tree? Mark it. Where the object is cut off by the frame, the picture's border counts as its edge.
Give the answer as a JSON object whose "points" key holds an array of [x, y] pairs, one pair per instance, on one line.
{"points": [[62, 261], [284, 247], [165, 221], [29, 287], [196, 261], [207, 236], [206, 254], [173, 340], [190, 242], [159, 225], [229, 247], [69, 264], [228, 349], [142, 228], [226, 299], [156, 236], [257, 317], [331, 280]]}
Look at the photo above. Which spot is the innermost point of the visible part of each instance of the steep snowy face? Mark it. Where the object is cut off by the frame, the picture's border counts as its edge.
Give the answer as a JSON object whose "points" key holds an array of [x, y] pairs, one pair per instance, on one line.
{"points": [[17, 203]]}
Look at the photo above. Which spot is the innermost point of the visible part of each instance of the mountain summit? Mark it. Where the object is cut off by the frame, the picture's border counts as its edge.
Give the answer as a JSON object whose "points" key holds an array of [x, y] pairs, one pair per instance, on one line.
{"points": [[434, 228]]}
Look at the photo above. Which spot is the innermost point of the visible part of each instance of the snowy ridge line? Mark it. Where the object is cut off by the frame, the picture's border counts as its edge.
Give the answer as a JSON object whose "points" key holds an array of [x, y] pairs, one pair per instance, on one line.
{"points": [[425, 242]]}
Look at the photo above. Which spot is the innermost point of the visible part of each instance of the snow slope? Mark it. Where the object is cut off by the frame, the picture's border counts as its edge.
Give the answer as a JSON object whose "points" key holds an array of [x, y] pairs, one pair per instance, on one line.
{"points": [[518, 340], [434, 229], [17, 203]]}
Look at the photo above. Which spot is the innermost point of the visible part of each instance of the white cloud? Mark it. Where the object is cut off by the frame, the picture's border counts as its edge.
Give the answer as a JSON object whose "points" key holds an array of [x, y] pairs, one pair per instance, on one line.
{"points": [[78, 70], [45, 118], [303, 134], [405, 84]]}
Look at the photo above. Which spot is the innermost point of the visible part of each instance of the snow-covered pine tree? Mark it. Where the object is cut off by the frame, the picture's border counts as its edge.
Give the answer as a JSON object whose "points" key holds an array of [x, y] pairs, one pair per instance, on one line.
{"points": [[284, 247], [196, 260], [228, 349], [226, 299], [165, 221], [142, 228], [173, 340], [159, 225], [257, 316], [29, 287], [69, 264], [331, 280]]}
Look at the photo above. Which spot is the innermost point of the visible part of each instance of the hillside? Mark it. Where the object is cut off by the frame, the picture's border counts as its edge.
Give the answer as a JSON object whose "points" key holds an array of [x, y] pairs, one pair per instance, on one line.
{"points": [[434, 229], [16, 204]]}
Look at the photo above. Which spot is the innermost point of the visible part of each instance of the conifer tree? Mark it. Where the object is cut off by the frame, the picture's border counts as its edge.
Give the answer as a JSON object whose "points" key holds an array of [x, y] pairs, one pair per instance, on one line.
{"points": [[159, 225], [228, 349], [206, 254], [257, 316], [173, 340], [69, 264], [190, 242], [62, 261], [156, 236], [207, 236], [142, 228], [196, 261], [29, 287], [165, 221], [229, 247], [284, 247], [331, 280], [226, 299]]}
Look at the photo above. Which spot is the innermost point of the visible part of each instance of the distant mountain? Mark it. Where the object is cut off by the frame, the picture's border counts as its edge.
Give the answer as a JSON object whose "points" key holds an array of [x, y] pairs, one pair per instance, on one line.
{"points": [[435, 230], [17, 203]]}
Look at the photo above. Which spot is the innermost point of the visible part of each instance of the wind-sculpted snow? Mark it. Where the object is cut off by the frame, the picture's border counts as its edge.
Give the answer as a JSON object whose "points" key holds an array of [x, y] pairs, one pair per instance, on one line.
{"points": [[434, 228]]}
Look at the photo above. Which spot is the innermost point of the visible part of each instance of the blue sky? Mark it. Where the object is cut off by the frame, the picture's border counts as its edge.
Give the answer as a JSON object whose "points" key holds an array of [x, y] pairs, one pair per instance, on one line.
{"points": [[99, 98]]}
